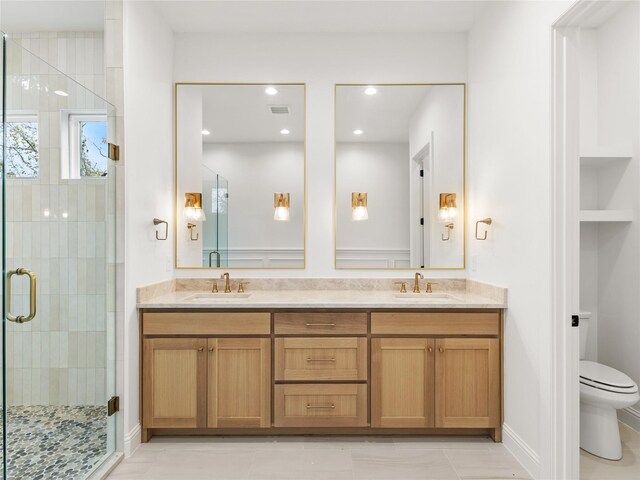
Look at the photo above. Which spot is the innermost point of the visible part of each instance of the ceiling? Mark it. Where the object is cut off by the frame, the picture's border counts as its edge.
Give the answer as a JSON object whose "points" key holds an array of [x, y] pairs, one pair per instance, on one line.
{"points": [[52, 16], [321, 16], [383, 117], [255, 16], [241, 114]]}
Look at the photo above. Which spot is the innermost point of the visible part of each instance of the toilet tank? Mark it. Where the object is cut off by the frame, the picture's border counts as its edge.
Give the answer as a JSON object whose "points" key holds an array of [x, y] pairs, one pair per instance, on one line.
{"points": [[584, 332]]}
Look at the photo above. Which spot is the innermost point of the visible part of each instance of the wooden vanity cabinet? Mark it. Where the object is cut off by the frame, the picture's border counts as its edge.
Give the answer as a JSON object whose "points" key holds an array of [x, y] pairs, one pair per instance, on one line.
{"points": [[193, 380], [446, 373]]}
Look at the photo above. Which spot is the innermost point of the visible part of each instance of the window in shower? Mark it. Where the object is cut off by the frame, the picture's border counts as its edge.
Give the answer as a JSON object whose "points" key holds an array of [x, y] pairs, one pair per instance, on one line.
{"points": [[21, 153], [84, 145]]}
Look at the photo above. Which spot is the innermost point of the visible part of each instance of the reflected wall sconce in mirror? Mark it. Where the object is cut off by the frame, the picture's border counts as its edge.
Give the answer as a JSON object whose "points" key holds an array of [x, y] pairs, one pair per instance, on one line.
{"points": [[448, 207], [281, 205], [486, 221], [157, 221], [449, 227], [193, 207], [359, 206], [191, 226]]}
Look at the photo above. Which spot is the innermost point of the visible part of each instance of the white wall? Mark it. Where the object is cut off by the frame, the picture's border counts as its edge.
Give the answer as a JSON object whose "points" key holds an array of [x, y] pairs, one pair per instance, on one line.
{"points": [[618, 106], [148, 76], [255, 171], [381, 170], [442, 113], [509, 180], [320, 60]]}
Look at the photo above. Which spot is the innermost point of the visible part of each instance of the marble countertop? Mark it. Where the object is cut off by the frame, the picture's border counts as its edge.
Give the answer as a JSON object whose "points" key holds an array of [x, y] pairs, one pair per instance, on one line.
{"points": [[366, 299]]}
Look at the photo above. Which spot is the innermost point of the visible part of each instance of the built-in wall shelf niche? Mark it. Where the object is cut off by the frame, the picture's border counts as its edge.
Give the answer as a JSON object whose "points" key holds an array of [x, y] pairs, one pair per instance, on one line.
{"points": [[603, 156], [606, 215]]}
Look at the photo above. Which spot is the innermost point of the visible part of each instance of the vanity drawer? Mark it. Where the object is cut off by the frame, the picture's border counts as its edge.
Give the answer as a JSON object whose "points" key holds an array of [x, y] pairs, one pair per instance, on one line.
{"points": [[206, 323], [343, 405], [320, 323], [435, 323], [321, 358]]}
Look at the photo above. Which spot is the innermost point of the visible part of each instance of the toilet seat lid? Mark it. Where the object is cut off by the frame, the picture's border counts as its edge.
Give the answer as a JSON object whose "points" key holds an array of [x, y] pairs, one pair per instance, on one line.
{"points": [[606, 378]]}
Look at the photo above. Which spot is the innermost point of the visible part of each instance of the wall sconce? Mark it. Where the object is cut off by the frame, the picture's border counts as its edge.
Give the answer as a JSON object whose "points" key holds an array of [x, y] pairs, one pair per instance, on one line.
{"points": [[448, 207], [191, 226], [193, 207], [359, 206], [486, 221], [281, 205], [449, 227]]}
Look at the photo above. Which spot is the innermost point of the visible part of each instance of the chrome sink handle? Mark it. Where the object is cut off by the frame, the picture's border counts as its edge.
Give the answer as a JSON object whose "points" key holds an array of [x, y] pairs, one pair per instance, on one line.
{"points": [[32, 295]]}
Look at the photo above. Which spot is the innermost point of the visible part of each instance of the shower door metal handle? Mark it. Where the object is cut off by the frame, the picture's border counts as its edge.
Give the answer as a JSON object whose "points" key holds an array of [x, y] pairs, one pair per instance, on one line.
{"points": [[32, 295]]}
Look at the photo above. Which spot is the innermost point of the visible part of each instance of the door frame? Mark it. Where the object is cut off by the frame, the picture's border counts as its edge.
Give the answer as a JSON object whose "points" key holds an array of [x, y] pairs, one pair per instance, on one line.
{"points": [[562, 423]]}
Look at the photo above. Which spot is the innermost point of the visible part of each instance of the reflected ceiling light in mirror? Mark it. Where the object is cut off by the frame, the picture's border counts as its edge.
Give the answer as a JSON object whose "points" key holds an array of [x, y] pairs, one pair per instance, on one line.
{"points": [[281, 205], [193, 207], [61, 93], [359, 206], [370, 91], [206, 132], [357, 131], [285, 131], [271, 91], [448, 207]]}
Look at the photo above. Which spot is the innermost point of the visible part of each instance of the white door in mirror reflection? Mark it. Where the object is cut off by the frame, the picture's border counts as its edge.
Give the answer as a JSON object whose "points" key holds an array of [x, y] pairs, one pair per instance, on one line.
{"points": [[242, 146], [404, 145]]}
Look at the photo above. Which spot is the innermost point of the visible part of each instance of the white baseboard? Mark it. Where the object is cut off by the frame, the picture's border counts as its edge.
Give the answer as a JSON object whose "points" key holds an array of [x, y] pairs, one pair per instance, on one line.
{"points": [[527, 457], [132, 440], [630, 416]]}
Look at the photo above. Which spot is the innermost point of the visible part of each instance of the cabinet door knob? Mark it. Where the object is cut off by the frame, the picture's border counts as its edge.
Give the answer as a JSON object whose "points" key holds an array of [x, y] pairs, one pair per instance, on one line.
{"points": [[201, 349], [441, 350], [211, 349], [430, 349]]}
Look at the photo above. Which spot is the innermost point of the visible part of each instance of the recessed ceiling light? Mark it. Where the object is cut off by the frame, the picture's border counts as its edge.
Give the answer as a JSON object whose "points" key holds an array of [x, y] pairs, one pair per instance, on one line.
{"points": [[206, 132], [284, 131], [370, 91], [270, 91], [358, 132], [61, 93]]}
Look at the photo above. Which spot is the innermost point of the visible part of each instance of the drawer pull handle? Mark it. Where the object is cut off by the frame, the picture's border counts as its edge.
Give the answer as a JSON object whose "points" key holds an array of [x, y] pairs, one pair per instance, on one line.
{"points": [[321, 324], [320, 406], [309, 359]]}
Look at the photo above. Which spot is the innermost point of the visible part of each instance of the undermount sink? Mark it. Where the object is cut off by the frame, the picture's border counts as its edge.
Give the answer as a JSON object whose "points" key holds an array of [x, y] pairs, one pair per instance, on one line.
{"points": [[424, 297], [206, 297]]}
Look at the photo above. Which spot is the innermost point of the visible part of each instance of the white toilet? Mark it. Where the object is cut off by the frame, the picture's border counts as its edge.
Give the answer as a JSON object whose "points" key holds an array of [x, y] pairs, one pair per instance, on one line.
{"points": [[603, 390]]}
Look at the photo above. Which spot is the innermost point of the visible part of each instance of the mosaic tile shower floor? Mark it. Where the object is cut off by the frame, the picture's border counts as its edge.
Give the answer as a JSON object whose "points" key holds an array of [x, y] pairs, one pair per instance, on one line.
{"points": [[55, 442]]}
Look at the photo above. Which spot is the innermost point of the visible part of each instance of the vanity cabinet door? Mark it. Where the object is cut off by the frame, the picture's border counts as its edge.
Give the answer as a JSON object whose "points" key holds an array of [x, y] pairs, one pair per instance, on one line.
{"points": [[402, 382], [239, 383], [174, 382], [468, 382]]}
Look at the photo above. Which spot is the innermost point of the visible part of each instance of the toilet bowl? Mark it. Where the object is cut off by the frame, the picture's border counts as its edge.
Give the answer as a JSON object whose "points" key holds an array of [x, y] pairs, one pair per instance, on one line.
{"points": [[603, 390]]}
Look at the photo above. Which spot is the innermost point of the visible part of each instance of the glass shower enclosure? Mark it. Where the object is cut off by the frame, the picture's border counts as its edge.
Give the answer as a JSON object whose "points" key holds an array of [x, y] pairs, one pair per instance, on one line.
{"points": [[215, 247], [58, 257]]}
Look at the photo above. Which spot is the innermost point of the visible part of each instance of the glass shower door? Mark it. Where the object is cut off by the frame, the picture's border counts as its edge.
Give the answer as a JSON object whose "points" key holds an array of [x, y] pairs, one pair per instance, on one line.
{"points": [[58, 254], [222, 219]]}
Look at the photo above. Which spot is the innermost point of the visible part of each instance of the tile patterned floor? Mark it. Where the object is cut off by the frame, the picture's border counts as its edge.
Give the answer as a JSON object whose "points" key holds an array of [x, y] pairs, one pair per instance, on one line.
{"points": [[54, 442], [595, 468], [320, 458]]}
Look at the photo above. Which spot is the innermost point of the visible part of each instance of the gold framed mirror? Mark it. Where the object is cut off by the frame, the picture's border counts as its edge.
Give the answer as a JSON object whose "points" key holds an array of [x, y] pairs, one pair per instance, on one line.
{"points": [[400, 176], [240, 173]]}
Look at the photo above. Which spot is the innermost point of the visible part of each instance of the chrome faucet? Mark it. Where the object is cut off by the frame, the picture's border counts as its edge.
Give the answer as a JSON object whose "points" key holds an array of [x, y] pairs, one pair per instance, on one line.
{"points": [[416, 283], [227, 285]]}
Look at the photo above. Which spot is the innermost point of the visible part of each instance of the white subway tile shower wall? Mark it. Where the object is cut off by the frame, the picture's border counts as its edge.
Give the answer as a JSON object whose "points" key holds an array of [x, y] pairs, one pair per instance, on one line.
{"points": [[60, 357]]}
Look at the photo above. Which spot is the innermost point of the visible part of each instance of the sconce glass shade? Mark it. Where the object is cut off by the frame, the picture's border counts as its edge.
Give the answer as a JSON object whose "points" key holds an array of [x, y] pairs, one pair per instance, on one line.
{"points": [[448, 207], [359, 206], [193, 211], [281, 205]]}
